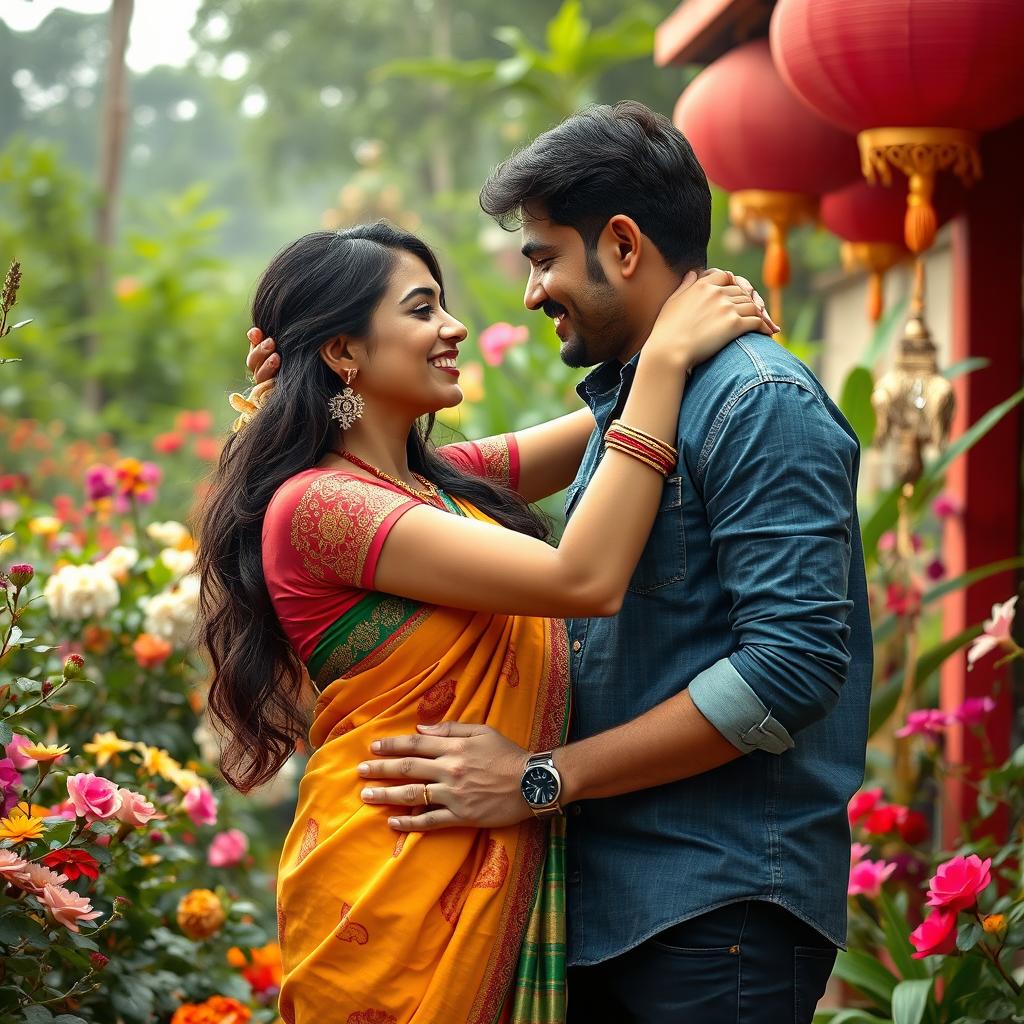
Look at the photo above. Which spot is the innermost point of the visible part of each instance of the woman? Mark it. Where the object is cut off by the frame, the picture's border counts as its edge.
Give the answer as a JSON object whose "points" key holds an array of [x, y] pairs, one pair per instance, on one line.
{"points": [[414, 584]]}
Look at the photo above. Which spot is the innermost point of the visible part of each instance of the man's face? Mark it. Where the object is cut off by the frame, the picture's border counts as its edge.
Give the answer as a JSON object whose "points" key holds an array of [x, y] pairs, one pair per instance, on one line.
{"points": [[589, 313]]}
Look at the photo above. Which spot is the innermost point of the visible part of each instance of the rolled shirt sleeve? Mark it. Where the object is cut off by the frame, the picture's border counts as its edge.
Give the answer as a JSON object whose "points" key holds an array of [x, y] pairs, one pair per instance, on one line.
{"points": [[779, 482]]}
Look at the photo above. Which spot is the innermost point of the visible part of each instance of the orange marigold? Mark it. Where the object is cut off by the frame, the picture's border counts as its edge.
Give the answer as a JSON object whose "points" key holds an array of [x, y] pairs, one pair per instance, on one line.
{"points": [[200, 914], [151, 650]]}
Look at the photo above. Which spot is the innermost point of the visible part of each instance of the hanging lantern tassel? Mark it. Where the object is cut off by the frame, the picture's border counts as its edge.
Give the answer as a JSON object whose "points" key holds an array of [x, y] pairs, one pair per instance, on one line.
{"points": [[769, 216], [877, 258], [920, 153]]}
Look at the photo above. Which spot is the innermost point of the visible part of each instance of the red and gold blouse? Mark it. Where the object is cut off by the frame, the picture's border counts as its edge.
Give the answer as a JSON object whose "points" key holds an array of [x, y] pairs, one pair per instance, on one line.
{"points": [[324, 530]]}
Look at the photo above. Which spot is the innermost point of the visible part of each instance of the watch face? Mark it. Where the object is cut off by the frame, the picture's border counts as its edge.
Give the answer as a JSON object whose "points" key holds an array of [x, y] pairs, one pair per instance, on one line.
{"points": [[540, 786]]}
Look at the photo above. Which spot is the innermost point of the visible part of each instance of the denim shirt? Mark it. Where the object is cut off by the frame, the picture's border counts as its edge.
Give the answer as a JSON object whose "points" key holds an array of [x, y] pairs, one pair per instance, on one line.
{"points": [[751, 593]]}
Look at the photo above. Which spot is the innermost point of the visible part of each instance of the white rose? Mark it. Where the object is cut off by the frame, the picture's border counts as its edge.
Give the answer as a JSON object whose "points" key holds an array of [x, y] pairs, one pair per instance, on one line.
{"points": [[171, 534], [118, 561], [78, 592], [172, 613], [179, 562]]}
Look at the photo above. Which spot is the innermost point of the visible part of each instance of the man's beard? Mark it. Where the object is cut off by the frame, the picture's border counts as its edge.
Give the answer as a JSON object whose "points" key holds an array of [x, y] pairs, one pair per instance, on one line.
{"points": [[604, 335]]}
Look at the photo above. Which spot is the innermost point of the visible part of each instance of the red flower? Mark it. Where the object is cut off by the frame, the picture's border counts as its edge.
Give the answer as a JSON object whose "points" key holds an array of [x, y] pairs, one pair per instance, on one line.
{"points": [[197, 422], [167, 443], [882, 820], [863, 803], [901, 600], [73, 863], [913, 826], [207, 448]]}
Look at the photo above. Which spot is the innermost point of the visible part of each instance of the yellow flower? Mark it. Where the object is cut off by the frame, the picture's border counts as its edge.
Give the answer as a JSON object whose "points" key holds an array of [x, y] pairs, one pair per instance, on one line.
{"points": [[45, 526], [200, 914], [106, 745], [994, 924], [44, 752], [149, 859], [7, 545], [21, 828], [25, 810], [158, 762], [185, 779]]}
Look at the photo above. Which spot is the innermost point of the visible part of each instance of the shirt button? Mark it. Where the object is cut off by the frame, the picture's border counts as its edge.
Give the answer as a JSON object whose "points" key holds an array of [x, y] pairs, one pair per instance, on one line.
{"points": [[576, 645]]}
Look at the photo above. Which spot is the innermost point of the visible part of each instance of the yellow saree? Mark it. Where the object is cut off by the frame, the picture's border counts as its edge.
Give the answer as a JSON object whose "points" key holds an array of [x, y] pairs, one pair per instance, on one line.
{"points": [[441, 928]]}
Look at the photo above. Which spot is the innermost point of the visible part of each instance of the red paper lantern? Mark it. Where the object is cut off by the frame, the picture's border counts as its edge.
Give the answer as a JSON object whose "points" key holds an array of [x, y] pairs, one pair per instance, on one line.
{"points": [[757, 141], [918, 79]]}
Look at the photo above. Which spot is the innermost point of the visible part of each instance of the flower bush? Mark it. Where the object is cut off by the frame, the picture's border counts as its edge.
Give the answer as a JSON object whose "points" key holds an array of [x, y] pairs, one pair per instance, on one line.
{"points": [[133, 886]]}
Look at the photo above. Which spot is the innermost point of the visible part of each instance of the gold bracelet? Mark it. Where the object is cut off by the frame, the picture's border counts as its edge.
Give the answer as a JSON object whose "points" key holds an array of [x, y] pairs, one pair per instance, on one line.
{"points": [[626, 449], [648, 439]]}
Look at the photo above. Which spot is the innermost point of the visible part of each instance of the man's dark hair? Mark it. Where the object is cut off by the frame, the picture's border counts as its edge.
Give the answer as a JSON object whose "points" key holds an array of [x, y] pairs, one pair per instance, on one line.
{"points": [[605, 161]]}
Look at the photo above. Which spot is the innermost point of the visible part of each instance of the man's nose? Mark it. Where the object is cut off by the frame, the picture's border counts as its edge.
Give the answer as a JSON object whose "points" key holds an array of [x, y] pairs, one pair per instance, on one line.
{"points": [[535, 295]]}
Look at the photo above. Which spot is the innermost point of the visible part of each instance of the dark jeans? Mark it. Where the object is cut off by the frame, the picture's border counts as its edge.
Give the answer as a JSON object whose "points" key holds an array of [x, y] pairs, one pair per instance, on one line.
{"points": [[747, 963]]}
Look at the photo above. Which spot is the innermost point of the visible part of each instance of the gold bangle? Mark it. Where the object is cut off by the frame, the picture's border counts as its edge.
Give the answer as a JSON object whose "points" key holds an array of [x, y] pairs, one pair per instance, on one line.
{"points": [[645, 438], [633, 453]]}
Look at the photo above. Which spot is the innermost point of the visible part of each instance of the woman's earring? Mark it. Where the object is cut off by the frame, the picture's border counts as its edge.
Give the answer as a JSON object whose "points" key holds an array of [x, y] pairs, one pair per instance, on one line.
{"points": [[346, 406]]}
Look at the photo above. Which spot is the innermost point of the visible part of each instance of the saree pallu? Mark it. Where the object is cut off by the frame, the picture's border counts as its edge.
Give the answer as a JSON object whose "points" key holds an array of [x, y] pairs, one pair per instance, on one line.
{"points": [[459, 925]]}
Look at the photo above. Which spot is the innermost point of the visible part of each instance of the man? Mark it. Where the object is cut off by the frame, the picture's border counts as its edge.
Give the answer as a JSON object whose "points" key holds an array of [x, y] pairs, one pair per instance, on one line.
{"points": [[719, 720]]}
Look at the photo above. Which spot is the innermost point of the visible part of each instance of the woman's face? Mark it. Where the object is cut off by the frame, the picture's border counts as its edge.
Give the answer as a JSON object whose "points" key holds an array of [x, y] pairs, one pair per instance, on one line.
{"points": [[408, 363]]}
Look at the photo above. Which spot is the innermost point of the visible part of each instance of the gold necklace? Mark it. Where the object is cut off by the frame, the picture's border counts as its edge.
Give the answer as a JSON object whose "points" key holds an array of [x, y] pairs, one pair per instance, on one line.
{"points": [[429, 495]]}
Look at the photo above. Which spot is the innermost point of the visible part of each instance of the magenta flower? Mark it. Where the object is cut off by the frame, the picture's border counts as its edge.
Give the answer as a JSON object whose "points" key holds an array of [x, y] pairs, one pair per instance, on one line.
{"points": [[227, 848], [100, 482], [958, 882], [94, 797], [21, 574], [497, 338], [867, 876], [863, 803], [858, 851], [935, 935], [997, 631], [935, 569], [928, 722], [13, 751], [945, 505], [973, 710], [200, 805], [10, 783]]}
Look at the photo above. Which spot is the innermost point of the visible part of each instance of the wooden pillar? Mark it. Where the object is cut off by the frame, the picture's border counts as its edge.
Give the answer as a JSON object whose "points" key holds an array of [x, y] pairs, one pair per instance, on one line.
{"points": [[988, 242]]}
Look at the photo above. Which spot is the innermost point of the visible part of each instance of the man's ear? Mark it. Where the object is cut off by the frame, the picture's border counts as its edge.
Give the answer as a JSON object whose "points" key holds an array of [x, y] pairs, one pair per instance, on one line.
{"points": [[338, 354], [623, 242]]}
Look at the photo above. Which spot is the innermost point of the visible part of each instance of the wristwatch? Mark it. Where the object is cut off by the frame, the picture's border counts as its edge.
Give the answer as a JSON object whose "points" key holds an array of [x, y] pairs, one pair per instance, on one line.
{"points": [[541, 785]]}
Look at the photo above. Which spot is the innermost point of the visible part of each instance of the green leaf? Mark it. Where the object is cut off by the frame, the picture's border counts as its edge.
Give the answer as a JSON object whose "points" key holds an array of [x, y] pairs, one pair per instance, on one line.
{"points": [[886, 627], [972, 436], [69, 1018], [965, 366], [855, 403], [885, 698], [897, 937], [850, 1017], [909, 1000], [867, 974], [37, 1015], [6, 733], [968, 935]]}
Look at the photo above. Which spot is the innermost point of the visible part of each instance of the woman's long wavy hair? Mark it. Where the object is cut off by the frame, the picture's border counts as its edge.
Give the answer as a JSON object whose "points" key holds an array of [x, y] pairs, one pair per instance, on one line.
{"points": [[325, 284]]}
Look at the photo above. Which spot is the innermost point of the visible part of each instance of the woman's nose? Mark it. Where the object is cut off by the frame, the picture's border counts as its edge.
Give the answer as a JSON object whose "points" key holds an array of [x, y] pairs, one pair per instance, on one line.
{"points": [[454, 330]]}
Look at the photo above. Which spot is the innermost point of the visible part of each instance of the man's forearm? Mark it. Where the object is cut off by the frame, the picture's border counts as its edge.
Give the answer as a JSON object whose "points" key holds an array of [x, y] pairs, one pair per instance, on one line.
{"points": [[670, 742]]}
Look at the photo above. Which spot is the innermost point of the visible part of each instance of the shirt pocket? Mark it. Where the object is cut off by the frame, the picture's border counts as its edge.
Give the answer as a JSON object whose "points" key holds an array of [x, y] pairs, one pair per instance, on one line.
{"points": [[663, 561]]}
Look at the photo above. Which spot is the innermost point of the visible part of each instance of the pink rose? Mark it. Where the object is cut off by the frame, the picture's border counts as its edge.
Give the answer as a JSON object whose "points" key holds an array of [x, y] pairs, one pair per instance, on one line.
{"points": [[997, 632], [13, 868], [94, 797], [135, 809], [957, 882], [100, 482], [67, 907], [65, 809], [495, 339], [227, 849], [863, 804], [13, 751], [935, 935], [867, 876], [200, 805], [973, 710], [928, 722]]}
